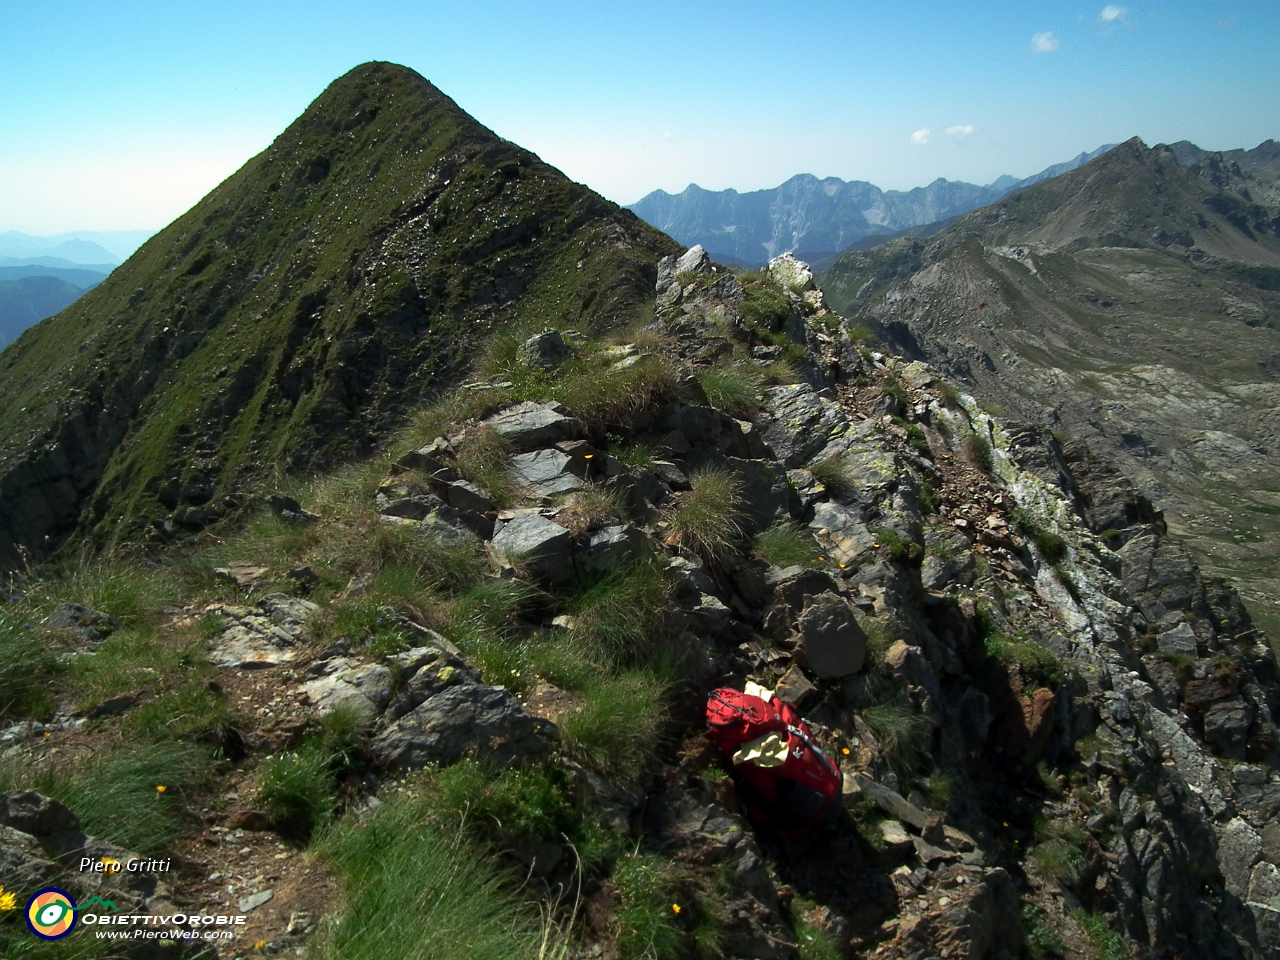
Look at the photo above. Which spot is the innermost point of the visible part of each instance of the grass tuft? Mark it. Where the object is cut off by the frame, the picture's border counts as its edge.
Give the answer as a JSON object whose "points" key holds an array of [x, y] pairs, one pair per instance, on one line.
{"points": [[296, 788], [708, 520], [977, 449], [733, 389], [833, 472], [786, 544], [646, 887], [114, 794], [616, 730], [402, 874]]}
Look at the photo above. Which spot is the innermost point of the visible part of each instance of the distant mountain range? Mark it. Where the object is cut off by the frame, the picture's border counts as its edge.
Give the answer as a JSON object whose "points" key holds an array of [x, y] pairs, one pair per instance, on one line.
{"points": [[816, 219], [39, 276], [112, 247]]}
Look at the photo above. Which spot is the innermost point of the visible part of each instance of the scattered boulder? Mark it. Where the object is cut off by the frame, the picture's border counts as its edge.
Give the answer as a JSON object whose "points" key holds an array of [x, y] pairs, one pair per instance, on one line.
{"points": [[245, 575], [85, 624], [35, 814], [842, 532], [532, 541], [1181, 640], [289, 509], [363, 689], [607, 549], [463, 719], [791, 273], [830, 643], [261, 637], [546, 351]]}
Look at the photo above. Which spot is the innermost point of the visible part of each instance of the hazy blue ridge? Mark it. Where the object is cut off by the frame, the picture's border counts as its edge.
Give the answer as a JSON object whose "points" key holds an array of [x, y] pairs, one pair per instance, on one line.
{"points": [[815, 219], [25, 301]]}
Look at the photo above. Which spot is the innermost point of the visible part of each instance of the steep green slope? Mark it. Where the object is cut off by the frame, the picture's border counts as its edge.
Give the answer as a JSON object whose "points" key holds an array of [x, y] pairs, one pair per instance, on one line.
{"points": [[297, 310], [1135, 303]]}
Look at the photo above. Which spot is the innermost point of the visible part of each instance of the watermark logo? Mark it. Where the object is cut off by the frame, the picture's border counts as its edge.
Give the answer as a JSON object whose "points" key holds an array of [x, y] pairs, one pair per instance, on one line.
{"points": [[51, 913]]}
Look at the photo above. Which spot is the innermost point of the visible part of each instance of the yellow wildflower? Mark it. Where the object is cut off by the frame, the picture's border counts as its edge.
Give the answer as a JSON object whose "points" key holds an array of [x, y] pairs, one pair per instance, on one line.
{"points": [[675, 908], [7, 900]]}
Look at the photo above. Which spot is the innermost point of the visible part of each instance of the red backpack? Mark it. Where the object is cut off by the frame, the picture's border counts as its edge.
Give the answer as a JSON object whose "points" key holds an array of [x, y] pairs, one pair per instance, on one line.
{"points": [[793, 798]]}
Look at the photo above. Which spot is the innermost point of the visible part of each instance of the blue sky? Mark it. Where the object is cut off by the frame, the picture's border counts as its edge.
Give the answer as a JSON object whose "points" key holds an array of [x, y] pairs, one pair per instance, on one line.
{"points": [[120, 115]]}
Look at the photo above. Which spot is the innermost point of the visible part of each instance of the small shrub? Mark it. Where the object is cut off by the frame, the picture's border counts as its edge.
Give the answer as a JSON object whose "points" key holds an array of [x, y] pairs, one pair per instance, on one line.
{"points": [[765, 306], [898, 730], [833, 472], [1051, 546], [490, 806], [441, 417], [812, 940], [977, 449], [950, 397], [881, 635], [919, 442], [1111, 536], [637, 455], [928, 499], [785, 544], [297, 788], [707, 522], [1042, 938], [1109, 944], [402, 865], [893, 387], [616, 617], [939, 790], [861, 334], [26, 667], [733, 390], [646, 886], [613, 398], [115, 794]]}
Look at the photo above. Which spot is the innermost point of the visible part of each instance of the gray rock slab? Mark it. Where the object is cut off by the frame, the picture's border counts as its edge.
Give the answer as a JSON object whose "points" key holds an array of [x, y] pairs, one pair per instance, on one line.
{"points": [[1181, 640], [463, 719], [534, 541], [363, 689], [530, 425], [800, 423], [255, 900], [607, 549], [85, 623], [892, 802], [1239, 848], [830, 642], [546, 351], [842, 532]]}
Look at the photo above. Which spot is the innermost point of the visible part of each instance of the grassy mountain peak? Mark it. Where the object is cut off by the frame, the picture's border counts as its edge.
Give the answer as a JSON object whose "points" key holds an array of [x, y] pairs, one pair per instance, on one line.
{"points": [[291, 316]]}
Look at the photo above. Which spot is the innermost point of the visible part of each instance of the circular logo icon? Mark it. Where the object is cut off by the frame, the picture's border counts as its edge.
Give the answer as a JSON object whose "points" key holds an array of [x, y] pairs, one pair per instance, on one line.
{"points": [[51, 913]]}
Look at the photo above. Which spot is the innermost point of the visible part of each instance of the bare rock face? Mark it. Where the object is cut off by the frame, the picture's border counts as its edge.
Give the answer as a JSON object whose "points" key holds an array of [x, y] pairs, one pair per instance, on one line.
{"points": [[830, 643], [530, 425], [464, 719]]}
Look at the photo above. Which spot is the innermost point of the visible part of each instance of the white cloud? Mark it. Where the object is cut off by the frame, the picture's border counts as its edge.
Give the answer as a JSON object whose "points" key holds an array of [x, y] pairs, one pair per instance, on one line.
{"points": [[961, 130], [921, 137], [1113, 14], [1044, 42]]}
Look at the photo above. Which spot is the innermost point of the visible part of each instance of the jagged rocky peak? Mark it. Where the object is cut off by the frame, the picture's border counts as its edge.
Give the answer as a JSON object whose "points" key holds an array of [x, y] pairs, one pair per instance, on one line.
{"points": [[298, 311]]}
